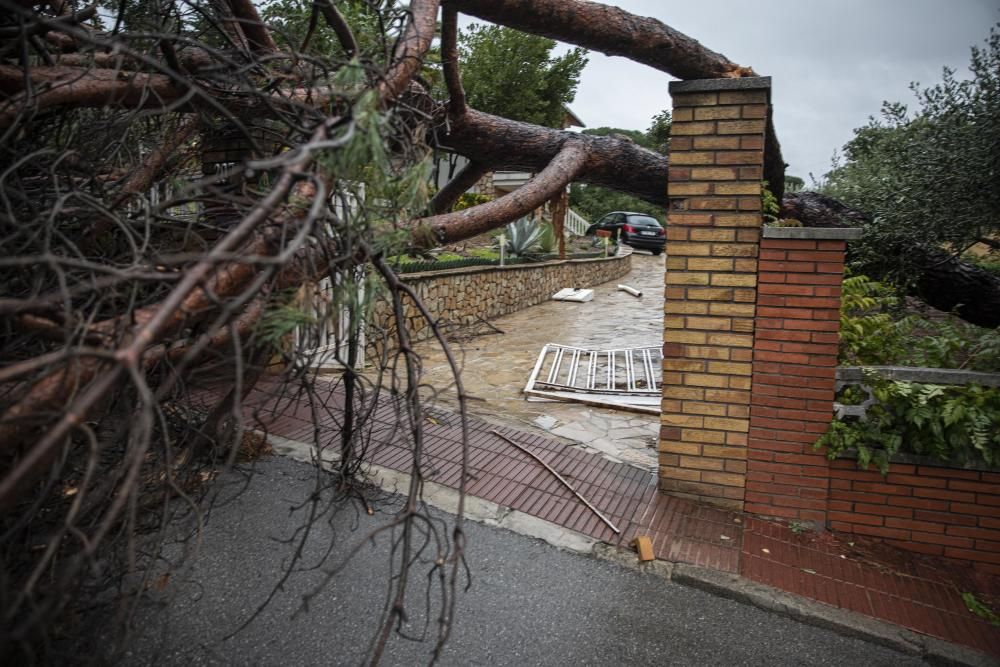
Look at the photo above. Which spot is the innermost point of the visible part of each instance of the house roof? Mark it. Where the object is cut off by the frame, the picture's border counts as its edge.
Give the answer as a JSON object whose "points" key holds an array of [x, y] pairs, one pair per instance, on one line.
{"points": [[571, 119]]}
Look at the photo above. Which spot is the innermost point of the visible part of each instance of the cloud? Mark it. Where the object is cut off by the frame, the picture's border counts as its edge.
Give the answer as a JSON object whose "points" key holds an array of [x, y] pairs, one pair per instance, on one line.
{"points": [[832, 63]]}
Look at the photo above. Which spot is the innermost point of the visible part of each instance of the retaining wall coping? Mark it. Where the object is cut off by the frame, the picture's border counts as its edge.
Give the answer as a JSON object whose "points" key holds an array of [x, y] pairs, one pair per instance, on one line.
{"points": [[709, 85], [813, 233], [917, 374], [465, 270]]}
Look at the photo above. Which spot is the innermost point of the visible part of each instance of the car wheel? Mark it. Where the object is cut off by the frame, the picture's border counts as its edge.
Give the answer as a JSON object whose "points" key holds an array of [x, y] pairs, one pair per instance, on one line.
{"points": [[657, 251]]}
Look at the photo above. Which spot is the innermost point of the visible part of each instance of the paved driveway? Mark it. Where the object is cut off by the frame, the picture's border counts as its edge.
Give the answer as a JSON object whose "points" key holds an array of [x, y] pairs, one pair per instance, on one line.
{"points": [[496, 367]]}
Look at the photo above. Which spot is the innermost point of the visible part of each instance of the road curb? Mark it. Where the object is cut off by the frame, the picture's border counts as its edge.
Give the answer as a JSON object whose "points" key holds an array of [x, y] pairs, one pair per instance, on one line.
{"points": [[446, 499], [841, 621], [722, 584]]}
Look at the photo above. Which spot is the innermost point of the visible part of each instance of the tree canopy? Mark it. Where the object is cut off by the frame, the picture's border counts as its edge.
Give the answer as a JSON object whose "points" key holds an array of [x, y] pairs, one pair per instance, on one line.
{"points": [[515, 75], [928, 177]]}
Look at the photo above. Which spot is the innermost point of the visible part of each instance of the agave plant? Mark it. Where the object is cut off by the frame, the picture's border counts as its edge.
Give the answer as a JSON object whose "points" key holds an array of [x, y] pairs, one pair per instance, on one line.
{"points": [[547, 238], [522, 236]]}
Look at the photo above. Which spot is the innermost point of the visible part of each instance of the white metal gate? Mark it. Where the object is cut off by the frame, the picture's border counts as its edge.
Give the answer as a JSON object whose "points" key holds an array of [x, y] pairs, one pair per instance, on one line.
{"points": [[626, 378]]}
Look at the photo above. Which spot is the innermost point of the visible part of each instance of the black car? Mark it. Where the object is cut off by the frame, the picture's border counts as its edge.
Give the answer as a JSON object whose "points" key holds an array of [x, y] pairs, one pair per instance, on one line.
{"points": [[635, 229]]}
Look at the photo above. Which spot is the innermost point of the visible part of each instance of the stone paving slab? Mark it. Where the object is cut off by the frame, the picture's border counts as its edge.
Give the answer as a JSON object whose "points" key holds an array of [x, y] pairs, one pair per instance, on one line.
{"points": [[923, 599]]}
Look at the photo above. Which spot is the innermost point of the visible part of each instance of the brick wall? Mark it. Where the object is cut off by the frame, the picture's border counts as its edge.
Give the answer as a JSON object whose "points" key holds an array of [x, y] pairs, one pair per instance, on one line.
{"points": [[929, 509], [713, 231], [924, 508], [751, 320], [794, 368]]}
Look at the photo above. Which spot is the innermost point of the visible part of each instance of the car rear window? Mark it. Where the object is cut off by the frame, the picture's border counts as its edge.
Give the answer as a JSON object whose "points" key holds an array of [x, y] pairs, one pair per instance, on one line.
{"points": [[642, 221]]}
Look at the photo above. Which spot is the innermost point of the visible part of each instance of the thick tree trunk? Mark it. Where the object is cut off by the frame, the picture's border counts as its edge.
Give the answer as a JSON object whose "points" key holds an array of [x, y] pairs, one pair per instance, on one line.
{"points": [[611, 31], [955, 286], [508, 144], [945, 283]]}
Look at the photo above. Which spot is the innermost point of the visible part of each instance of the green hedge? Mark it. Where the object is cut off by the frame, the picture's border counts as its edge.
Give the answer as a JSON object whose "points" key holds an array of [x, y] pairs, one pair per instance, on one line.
{"points": [[431, 265]]}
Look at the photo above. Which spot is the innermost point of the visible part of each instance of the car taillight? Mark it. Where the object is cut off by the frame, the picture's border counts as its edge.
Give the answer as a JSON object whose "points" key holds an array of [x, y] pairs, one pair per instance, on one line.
{"points": [[628, 228], [661, 232]]}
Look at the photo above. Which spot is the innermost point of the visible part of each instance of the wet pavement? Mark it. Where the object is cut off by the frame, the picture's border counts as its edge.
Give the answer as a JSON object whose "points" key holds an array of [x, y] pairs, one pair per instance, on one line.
{"points": [[496, 367]]}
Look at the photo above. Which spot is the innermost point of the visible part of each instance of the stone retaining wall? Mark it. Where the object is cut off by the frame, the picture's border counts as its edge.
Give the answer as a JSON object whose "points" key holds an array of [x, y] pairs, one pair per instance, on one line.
{"points": [[463, 296]]}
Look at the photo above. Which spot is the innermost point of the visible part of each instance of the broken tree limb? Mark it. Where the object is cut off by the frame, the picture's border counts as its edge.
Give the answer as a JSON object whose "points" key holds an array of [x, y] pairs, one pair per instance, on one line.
{"points": [[562, 479], [461, 225], [410, 49], [615, 32], [509, 144], [468, 176], [611, 31], [449, 61]]}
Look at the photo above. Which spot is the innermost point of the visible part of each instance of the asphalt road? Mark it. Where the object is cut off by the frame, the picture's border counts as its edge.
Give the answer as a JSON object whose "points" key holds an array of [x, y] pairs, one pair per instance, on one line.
{"points": [[529, 604]]}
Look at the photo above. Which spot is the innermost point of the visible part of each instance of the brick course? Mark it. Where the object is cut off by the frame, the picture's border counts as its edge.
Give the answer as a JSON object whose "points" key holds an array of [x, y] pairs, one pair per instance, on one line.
{"points": [[713, 231], [919, 508]]}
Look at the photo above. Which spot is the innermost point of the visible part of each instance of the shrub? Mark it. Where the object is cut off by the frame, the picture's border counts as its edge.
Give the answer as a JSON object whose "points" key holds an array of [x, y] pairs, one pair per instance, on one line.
{"points": [[949, 423], [955, 424]]}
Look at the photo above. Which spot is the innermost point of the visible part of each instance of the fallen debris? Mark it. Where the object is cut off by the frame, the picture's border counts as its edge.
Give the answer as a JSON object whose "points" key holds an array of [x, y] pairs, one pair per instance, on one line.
{"points": [[624, 378], [561, 479], [631, 290], [574, 294], [644, 546]]}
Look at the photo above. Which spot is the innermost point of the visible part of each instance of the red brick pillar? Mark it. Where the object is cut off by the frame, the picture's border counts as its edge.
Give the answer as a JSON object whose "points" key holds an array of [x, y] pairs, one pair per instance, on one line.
{"points": [[713, 232], [794, 369]]}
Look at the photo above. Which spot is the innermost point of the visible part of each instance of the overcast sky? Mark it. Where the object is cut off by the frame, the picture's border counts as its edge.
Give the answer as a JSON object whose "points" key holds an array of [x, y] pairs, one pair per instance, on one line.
{"points": [[832, 62]]}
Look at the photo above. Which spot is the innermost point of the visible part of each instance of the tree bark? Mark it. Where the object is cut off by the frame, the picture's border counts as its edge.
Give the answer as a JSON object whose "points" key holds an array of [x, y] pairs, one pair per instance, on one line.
{"points": [[85, 88], [508, 144], [951, 285], [453, 189], [410, 49], [461, 225], [611, 31], [945, 282]]}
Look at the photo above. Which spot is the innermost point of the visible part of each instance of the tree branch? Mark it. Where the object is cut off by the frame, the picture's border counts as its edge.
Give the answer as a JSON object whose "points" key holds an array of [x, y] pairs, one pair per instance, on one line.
{"points": [[85, 88], [449, 62], [257, 34], [611, 31], [461, 225], [453, 189], [410, 49], [500, 143], [340, 27]]}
